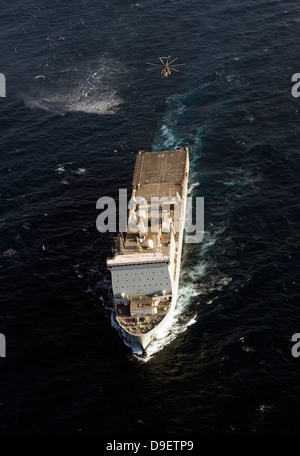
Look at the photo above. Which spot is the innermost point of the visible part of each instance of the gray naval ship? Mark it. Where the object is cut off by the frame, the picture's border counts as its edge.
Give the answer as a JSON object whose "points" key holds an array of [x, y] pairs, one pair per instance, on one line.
{"points": [[145, 267]]}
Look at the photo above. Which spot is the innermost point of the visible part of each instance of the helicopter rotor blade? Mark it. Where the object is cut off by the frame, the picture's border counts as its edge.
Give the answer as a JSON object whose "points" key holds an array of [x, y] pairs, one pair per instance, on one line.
{"points": [[173, 60], [151, 69], [154, 64], [173, 69], [161, 59], [179, 64]]}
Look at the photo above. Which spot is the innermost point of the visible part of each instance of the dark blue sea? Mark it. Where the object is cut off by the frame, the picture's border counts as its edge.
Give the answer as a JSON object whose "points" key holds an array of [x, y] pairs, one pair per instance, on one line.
{"points": [[79, 105]]}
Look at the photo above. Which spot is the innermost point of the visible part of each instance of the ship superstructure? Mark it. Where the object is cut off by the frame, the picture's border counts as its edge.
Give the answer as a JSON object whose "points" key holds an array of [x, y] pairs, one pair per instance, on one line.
{"points": [[146, 265]]}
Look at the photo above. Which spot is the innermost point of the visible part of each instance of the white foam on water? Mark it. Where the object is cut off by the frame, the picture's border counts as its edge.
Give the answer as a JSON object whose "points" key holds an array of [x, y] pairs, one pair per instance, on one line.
{"points": [[93, 91], [264, 407], [60, 169], [241, 177], [80, 171], [192, 187], [74, 102], [9, 253], [169, 136]]}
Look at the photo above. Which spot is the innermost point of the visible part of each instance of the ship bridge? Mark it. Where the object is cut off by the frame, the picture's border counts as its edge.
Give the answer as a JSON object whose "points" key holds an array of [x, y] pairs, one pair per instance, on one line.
{"points": [[143, 271]]}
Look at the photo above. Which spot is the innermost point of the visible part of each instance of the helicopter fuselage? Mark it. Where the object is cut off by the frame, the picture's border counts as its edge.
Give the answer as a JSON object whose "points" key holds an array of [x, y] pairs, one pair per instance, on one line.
{"points": [[165, 72]]}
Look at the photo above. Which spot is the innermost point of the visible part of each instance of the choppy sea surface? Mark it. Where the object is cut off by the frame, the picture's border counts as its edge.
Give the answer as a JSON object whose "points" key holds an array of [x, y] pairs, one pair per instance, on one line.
{"points": [[79, 106]]}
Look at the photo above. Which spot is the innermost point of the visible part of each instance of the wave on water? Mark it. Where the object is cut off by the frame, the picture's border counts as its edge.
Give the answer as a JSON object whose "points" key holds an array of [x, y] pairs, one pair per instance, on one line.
{"points": [[93, 90]]}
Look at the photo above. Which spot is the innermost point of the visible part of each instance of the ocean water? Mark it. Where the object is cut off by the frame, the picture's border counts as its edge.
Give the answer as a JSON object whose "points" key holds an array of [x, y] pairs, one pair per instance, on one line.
{"points": [[79, 106]]}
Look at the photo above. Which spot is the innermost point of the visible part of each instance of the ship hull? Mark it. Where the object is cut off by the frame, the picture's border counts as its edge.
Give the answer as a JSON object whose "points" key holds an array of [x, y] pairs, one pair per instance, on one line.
{"points": [[145, 273], [145, 339]]}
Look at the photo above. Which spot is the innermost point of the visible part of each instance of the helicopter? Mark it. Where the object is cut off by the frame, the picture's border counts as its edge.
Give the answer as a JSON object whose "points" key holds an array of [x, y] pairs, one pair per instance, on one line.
{"points": [[166, 63]]}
